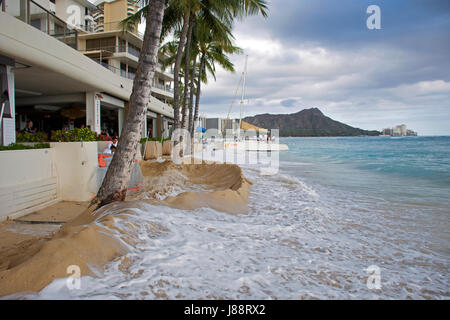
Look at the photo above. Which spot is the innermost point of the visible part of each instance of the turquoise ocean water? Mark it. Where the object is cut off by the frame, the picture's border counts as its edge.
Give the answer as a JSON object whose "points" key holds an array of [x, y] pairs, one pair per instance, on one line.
{"points": [[404, 169]]}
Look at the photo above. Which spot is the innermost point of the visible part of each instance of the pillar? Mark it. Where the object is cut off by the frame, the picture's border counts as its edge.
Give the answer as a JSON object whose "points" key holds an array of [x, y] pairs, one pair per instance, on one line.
{"points": [[144, 126], [121, 117], [154, 129], [93, 111], [8, 122], [158, 126]]}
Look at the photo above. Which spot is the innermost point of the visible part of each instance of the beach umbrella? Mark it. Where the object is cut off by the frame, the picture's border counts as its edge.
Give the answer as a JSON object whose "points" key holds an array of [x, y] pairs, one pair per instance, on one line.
{"points": [[200, 129]]}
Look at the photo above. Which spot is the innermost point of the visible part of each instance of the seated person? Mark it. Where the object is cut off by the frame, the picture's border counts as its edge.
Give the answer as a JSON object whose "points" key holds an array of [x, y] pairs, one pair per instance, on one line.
{"points": [[113, 143], [110, 150], [29, 127]]}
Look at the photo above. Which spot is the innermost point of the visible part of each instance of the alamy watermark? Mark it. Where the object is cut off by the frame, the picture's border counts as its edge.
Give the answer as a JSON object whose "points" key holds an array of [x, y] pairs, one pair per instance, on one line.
{"points": [[373, 22], [245, 148], [73, 282], [374, 279]]}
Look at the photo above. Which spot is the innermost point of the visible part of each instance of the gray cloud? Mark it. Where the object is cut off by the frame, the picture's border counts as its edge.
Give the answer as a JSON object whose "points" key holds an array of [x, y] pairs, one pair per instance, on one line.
{"points": [[319, 53]]}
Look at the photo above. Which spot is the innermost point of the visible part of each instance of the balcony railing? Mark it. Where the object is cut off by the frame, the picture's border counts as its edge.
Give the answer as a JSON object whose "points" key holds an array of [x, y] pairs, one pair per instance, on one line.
{"points": [[131, 75], [163, 87], [35, 15], [111, 49], [120, 72], [115, 26]]}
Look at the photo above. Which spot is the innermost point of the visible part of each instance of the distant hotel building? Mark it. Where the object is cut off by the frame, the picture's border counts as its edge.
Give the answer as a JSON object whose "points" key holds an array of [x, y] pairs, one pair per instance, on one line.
{"points": [[67, 63], [398, 131]]}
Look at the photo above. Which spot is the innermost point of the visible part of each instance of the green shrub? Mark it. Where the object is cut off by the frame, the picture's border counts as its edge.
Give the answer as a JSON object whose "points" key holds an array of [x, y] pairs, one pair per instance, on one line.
{"points": [[74, 135], [16, 146], [30, 137]]}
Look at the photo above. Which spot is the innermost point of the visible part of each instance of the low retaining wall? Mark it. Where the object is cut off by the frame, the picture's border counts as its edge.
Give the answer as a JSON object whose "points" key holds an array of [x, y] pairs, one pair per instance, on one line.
{"points": [[33, 179], [28, 181]]}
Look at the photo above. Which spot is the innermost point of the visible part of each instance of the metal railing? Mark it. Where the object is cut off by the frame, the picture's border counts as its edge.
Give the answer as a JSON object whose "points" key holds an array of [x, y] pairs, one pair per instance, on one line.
{"points": [[163, 87], [123, 48], [110, 49], [115, 49], [120, 72], [115, 26], [35, 15]]}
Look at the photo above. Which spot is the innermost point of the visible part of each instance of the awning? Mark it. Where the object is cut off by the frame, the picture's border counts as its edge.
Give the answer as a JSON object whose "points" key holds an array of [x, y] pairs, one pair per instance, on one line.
{"points": [[248, 126]]}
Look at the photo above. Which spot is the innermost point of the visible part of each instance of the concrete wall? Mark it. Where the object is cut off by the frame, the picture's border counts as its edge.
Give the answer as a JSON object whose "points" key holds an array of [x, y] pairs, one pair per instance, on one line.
{"points": [[24, 166], [76, 165], [28, 181]]}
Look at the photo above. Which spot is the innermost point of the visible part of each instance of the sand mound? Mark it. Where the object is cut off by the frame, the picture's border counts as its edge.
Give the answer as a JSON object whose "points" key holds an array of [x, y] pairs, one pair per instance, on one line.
{"points": [[88, 246], [93, 238], [220, 186]]}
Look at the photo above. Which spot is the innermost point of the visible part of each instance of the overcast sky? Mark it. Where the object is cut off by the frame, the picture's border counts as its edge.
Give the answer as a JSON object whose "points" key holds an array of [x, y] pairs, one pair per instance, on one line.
{"points": [[320, 53]]}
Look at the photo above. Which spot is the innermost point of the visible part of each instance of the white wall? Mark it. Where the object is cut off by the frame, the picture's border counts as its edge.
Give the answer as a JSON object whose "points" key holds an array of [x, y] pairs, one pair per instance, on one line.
{"points": [[24, 166], [27, 181], [76, 167]]}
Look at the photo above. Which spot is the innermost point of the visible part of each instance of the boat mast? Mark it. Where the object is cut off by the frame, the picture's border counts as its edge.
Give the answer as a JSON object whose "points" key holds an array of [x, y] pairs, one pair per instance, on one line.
{"points": [[244, 73]]}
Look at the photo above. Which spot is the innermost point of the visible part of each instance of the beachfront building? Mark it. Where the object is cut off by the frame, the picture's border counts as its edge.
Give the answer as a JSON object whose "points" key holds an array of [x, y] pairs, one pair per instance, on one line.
{"points": [[387, 132], [61, 70], [398, 131], [119, 51]]}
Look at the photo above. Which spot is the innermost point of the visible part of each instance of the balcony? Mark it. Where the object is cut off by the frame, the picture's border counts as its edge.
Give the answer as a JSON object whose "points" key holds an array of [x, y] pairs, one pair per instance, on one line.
{"points": [[115, 26], [163, 87], [120, 72], [134, 51], [131, 75], [37, 16]]}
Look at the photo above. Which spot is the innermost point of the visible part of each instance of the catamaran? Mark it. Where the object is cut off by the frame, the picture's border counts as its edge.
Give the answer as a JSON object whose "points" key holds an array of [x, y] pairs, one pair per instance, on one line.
{"points": [[245, 136]]}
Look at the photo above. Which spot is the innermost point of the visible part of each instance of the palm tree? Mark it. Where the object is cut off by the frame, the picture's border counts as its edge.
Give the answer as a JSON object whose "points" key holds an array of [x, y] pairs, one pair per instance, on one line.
{"points": [[115, 184], [211, 51]]}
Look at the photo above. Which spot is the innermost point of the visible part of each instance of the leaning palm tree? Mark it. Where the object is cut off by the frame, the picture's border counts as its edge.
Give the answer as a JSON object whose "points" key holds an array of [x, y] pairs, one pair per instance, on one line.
{"points": [[115, 184]]}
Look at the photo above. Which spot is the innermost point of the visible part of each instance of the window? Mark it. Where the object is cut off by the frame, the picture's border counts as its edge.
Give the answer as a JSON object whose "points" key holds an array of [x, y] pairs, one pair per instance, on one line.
{"points": [[131, 72], [103, 43], [122, 45], [134, 50]]}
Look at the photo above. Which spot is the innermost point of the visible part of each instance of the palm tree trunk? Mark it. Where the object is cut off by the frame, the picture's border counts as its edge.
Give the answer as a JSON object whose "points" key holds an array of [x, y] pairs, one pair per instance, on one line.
{"points": [[197, 95], [115, 184], [186, 70], [191, 96], [176, 73]]}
